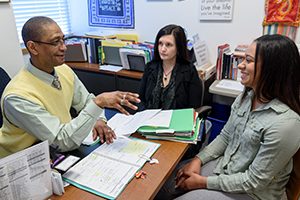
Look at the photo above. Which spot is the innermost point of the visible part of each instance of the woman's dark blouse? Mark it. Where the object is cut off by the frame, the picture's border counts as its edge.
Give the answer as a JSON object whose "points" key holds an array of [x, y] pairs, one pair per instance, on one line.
{"points": [[183, 91]]}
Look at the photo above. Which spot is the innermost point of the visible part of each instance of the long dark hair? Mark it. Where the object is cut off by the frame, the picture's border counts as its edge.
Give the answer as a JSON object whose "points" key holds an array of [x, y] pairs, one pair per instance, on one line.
{"points": [[180, 40], [279, 71]]}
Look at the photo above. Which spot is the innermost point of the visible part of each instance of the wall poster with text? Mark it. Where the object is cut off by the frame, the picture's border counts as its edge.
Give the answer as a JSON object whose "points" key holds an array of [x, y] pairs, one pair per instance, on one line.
{"points": [[111, 13]]}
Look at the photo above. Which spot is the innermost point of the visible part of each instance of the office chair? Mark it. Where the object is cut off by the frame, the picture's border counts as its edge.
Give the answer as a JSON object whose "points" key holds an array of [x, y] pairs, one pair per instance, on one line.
{"points": [[293, 186], [4, 79]]}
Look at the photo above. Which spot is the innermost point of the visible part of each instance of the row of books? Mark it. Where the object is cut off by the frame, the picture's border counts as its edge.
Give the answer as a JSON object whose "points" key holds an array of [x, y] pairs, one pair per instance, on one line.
{"points": [[97, 54], [228, 61], [108, 51], [184, 127]]}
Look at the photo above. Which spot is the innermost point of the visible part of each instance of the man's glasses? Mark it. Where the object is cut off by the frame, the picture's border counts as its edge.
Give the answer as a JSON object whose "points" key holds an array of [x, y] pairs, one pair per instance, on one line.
{"points": [[55, 43]]}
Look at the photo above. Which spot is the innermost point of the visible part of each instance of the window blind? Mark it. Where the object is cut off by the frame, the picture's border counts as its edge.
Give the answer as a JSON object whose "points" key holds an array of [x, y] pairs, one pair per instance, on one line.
{"points": [[58, 10]]}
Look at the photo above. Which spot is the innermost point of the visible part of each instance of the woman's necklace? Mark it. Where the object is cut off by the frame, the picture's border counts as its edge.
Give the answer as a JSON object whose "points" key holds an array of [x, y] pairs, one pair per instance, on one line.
{"points": [[167, 74]]}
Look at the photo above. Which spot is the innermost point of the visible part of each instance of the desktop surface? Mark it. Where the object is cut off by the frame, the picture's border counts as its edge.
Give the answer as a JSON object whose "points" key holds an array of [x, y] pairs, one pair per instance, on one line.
{"points": [[169, 154]]}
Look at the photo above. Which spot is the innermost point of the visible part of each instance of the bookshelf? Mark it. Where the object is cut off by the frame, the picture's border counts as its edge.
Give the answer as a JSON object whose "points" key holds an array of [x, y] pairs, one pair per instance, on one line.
{"points": [[227, 72]]}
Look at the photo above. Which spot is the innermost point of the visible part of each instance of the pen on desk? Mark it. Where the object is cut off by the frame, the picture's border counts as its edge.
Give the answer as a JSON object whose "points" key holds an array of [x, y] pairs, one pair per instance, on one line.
{"points": [[56, 161]]}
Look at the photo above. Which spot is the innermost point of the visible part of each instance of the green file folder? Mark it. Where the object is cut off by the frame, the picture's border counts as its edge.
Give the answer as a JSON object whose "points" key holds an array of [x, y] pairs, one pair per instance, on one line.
{"points": [[182, 121]]}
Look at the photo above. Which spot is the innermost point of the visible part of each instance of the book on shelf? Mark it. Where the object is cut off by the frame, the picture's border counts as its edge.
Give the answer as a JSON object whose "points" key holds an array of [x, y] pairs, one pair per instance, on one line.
{"points": [[93, 50], [206, 72], [219, 63], [228, 61], [226, 64], [239, 50]]}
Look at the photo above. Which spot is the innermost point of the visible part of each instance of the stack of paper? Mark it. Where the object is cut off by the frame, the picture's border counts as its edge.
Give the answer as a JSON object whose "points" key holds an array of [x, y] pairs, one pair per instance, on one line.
{"points": [[26, 174], [184, 127], [109, 168], [124, 125]]}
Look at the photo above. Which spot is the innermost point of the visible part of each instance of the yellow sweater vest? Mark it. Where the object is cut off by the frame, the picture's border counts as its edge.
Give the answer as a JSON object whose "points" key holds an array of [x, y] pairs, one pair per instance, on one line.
{"points": [[56, 102]]}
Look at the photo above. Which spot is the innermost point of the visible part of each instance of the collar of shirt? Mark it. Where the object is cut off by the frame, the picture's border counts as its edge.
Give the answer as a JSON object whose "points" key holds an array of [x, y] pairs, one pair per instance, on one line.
{"points": [[47, 78], [274, 104]]}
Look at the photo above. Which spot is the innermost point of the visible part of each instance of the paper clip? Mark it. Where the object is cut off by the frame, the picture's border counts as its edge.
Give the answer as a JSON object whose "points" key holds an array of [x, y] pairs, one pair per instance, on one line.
{"points": [[140, 174], [149, 159]]}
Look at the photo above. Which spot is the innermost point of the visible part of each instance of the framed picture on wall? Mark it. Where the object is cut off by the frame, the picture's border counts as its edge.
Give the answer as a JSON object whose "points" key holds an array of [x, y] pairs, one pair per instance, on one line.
{"points": [[216, 10], [112, 14]]}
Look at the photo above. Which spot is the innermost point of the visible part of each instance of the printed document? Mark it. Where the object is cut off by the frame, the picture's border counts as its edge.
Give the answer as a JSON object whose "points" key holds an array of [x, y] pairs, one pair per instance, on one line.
{"points": [[112, 68], [109, 168], [26, 174], [124, 125]]}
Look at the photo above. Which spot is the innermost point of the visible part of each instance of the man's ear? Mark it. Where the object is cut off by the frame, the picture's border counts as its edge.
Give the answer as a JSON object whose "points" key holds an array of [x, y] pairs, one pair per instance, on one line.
{"points": [[31, 47]]}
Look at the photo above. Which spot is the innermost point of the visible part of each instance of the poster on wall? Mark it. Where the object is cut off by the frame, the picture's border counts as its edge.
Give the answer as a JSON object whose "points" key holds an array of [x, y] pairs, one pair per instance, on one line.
{"points": [[215, 9], [113, 13]]}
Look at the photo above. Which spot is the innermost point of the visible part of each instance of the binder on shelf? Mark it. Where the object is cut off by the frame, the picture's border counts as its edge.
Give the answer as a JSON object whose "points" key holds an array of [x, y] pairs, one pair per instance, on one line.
{"points": [[76, 52], [93, 52], [135, 56], [110, 51], [133, 59], [128, 37], [99, 35]]}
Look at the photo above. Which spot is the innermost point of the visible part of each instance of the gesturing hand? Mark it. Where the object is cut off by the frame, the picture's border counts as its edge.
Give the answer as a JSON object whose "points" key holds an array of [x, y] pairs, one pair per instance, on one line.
{"points": [[117, 100]]}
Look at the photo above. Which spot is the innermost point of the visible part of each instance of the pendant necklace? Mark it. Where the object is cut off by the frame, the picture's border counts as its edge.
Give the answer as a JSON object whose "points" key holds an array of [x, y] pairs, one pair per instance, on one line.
{"points": [[166, 74]]}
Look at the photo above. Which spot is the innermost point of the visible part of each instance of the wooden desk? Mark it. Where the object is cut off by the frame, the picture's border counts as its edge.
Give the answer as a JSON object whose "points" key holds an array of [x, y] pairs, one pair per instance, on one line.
{"points": [[168, 154], [95, 68]]}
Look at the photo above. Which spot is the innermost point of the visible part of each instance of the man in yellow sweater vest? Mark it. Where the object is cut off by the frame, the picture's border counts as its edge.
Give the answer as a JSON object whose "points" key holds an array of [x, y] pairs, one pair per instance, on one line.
{"points": [[37, 101]]}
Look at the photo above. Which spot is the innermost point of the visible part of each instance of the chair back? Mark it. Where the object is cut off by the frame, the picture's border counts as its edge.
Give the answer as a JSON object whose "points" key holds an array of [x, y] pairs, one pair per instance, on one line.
{"points": [[293, 186], [4, 79]]}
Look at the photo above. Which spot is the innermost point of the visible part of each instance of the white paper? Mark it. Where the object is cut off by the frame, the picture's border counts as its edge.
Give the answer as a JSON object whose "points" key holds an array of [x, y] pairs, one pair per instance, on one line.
{"points": [[109, 168], [161, 119], [26, 174], [124, 125], [67, 163], [230, 84], [112, 68]]}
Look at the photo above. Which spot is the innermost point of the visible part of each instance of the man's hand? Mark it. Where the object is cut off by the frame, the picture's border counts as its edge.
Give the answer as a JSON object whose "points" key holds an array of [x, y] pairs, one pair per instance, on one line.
{"points": [[104, 132], [117, 100]]}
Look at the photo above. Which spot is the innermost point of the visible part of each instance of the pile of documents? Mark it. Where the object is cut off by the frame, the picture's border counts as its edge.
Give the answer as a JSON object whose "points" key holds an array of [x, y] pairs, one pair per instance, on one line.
{"points": [[26, 174], [180, 125], [184, 127], [109, 168]]}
